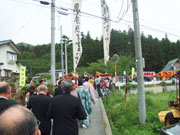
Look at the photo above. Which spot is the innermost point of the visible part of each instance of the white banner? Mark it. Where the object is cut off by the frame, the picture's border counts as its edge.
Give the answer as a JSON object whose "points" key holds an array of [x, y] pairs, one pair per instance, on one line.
{"points": [[106, 29], [77, 47]]}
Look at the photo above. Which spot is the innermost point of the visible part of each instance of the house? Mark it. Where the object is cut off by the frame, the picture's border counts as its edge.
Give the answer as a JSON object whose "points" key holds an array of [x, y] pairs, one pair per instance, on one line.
{"points": [[9, 66], [171, 68], [172, 65]]}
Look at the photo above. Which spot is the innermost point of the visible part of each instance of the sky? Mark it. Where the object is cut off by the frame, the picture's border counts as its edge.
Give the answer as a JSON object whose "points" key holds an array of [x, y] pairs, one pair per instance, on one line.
{"points": [[29, 21]]}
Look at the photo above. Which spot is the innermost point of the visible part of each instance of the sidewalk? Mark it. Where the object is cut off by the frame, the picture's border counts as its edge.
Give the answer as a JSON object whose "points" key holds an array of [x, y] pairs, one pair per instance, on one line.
{"points": [[99, 123]]}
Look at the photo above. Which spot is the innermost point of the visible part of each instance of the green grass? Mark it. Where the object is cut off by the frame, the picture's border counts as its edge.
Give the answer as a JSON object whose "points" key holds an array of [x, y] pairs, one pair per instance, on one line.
{"points": [[124, 117]]}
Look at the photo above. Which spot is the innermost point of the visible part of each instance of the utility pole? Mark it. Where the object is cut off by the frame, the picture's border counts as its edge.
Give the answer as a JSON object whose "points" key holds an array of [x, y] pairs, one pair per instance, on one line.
{"points": [[53, 42], [62, 61], [140, 75], [66, 57]]}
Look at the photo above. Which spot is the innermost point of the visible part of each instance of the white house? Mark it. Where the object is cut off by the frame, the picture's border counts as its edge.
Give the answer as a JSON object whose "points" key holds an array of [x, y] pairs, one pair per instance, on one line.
{"points": [[9, 66]]}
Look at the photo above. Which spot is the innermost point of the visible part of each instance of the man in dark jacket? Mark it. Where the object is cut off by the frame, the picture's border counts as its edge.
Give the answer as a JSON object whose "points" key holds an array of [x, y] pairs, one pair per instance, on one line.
{"points": [[39, 105], [58, 90], [64, 110], [5, 93]]}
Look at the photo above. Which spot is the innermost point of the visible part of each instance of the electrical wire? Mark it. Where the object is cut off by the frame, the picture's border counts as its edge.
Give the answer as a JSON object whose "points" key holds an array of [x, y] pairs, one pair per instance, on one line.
{"points": [[125, 12], [162, 8], [29, 3], [121, 9], [114, 21], [6, 19]]}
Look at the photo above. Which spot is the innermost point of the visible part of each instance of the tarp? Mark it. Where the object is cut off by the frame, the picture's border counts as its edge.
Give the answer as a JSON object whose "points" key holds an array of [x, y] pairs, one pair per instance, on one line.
{"points": [[103, 74], [71, 75], [166, 74]]}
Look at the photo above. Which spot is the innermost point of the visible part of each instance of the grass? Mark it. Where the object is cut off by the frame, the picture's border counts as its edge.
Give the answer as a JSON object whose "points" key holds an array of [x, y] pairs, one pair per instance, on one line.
{"points": [[124, 117]]}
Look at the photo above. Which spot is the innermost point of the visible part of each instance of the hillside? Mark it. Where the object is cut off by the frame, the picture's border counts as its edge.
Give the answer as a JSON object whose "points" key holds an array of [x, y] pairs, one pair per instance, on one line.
{"points": [[155, 52]]}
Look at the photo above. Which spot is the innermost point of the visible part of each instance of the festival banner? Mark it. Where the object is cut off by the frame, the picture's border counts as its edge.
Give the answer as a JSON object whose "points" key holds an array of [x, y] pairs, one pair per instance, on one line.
{"points": [[22, 76], [77, 47], [106, 29], [133, 72]]}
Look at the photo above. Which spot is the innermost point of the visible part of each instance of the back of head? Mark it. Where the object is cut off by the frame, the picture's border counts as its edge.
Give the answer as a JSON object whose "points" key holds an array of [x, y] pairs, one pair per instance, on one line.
{"points": [[42, 88], [80, 82], [41, 82], [67, 86], [4, 87], [17, 120], [86, 79], [59, 83]]}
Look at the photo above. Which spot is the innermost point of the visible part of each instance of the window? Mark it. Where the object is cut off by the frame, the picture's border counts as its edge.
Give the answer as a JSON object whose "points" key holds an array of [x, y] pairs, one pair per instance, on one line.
{"points": [[7, 73], [12, 56]]}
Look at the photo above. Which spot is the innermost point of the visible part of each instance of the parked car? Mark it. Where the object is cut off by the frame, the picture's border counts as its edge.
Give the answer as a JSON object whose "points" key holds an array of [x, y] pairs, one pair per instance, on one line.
{"points": [[171, 130]]}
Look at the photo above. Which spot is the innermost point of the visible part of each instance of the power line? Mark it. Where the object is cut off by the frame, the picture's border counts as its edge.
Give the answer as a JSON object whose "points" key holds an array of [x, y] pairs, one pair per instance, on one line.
{"points": [[114, 21], [6, 19], [147, 27], [161, 5], [165, 11], [120, 9], [125, 12], [29, 3]]}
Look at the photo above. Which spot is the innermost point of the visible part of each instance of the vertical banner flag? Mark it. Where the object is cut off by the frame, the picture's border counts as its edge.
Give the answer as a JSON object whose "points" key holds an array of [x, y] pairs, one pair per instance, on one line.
{"points": [[133, 72], [22, 76], [77, 47], [106, 29]]}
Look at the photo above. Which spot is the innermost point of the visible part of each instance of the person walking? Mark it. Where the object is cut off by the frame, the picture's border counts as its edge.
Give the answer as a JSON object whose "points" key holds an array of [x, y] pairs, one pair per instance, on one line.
{"points": [[91, 80], [88, 85], [5, 93], [58, 89], [98, 86], [39, 105], [84, 95], [65, 109]]}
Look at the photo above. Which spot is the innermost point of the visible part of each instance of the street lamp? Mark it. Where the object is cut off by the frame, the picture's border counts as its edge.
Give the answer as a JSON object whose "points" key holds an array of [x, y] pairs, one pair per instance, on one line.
{"points": [[62, 61], [52, 37], [66, 58], [115, 59], [53, 76]]}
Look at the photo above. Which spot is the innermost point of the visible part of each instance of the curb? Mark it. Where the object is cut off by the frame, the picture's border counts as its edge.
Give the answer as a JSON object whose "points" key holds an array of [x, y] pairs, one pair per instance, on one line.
{"points": [[107, 127]]}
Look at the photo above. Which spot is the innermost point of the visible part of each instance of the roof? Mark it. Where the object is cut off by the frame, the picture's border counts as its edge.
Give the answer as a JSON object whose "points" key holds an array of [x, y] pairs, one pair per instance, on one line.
{"points": [[170, 65], [12, 44]]}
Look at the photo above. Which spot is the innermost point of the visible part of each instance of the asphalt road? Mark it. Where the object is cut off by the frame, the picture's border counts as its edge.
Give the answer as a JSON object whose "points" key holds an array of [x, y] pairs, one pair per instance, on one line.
{"points": [[96, 125]]}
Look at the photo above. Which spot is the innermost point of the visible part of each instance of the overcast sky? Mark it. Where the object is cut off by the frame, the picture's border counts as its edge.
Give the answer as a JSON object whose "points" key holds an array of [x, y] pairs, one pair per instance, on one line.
{"points": [[28, 21]]}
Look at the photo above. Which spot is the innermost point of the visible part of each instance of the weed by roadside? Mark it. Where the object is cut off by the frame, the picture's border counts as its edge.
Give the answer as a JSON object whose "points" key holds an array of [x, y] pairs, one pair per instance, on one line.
{"points": [[124, 117]]}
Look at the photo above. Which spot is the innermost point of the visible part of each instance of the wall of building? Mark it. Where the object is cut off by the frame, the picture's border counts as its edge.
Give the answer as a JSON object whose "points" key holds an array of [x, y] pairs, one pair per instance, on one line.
{"points": [[4, 59]]}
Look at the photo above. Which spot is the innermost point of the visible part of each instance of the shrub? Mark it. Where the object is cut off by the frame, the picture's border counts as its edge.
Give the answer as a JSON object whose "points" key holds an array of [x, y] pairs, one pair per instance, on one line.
{"points": [[129, 86], [12, 99], [124, 117], [163, 83], [24, 91]]}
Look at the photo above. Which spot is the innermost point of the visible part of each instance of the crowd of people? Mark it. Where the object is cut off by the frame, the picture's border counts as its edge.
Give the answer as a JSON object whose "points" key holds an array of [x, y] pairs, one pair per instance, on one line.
{"points": [[72, 100]]}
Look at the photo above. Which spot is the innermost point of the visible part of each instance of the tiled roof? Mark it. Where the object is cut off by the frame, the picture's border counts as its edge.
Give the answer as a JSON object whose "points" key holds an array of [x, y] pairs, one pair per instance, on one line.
{"points": [[12, 44], [170, 65], [5, 42]]}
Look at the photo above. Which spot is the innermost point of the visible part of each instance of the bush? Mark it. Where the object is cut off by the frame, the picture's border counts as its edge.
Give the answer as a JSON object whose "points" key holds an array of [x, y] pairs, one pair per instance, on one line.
{"points": [[124, 117], [129, 86], [24, 91], [163, 83], [48, 76], [173, 81], [12, 99]]}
